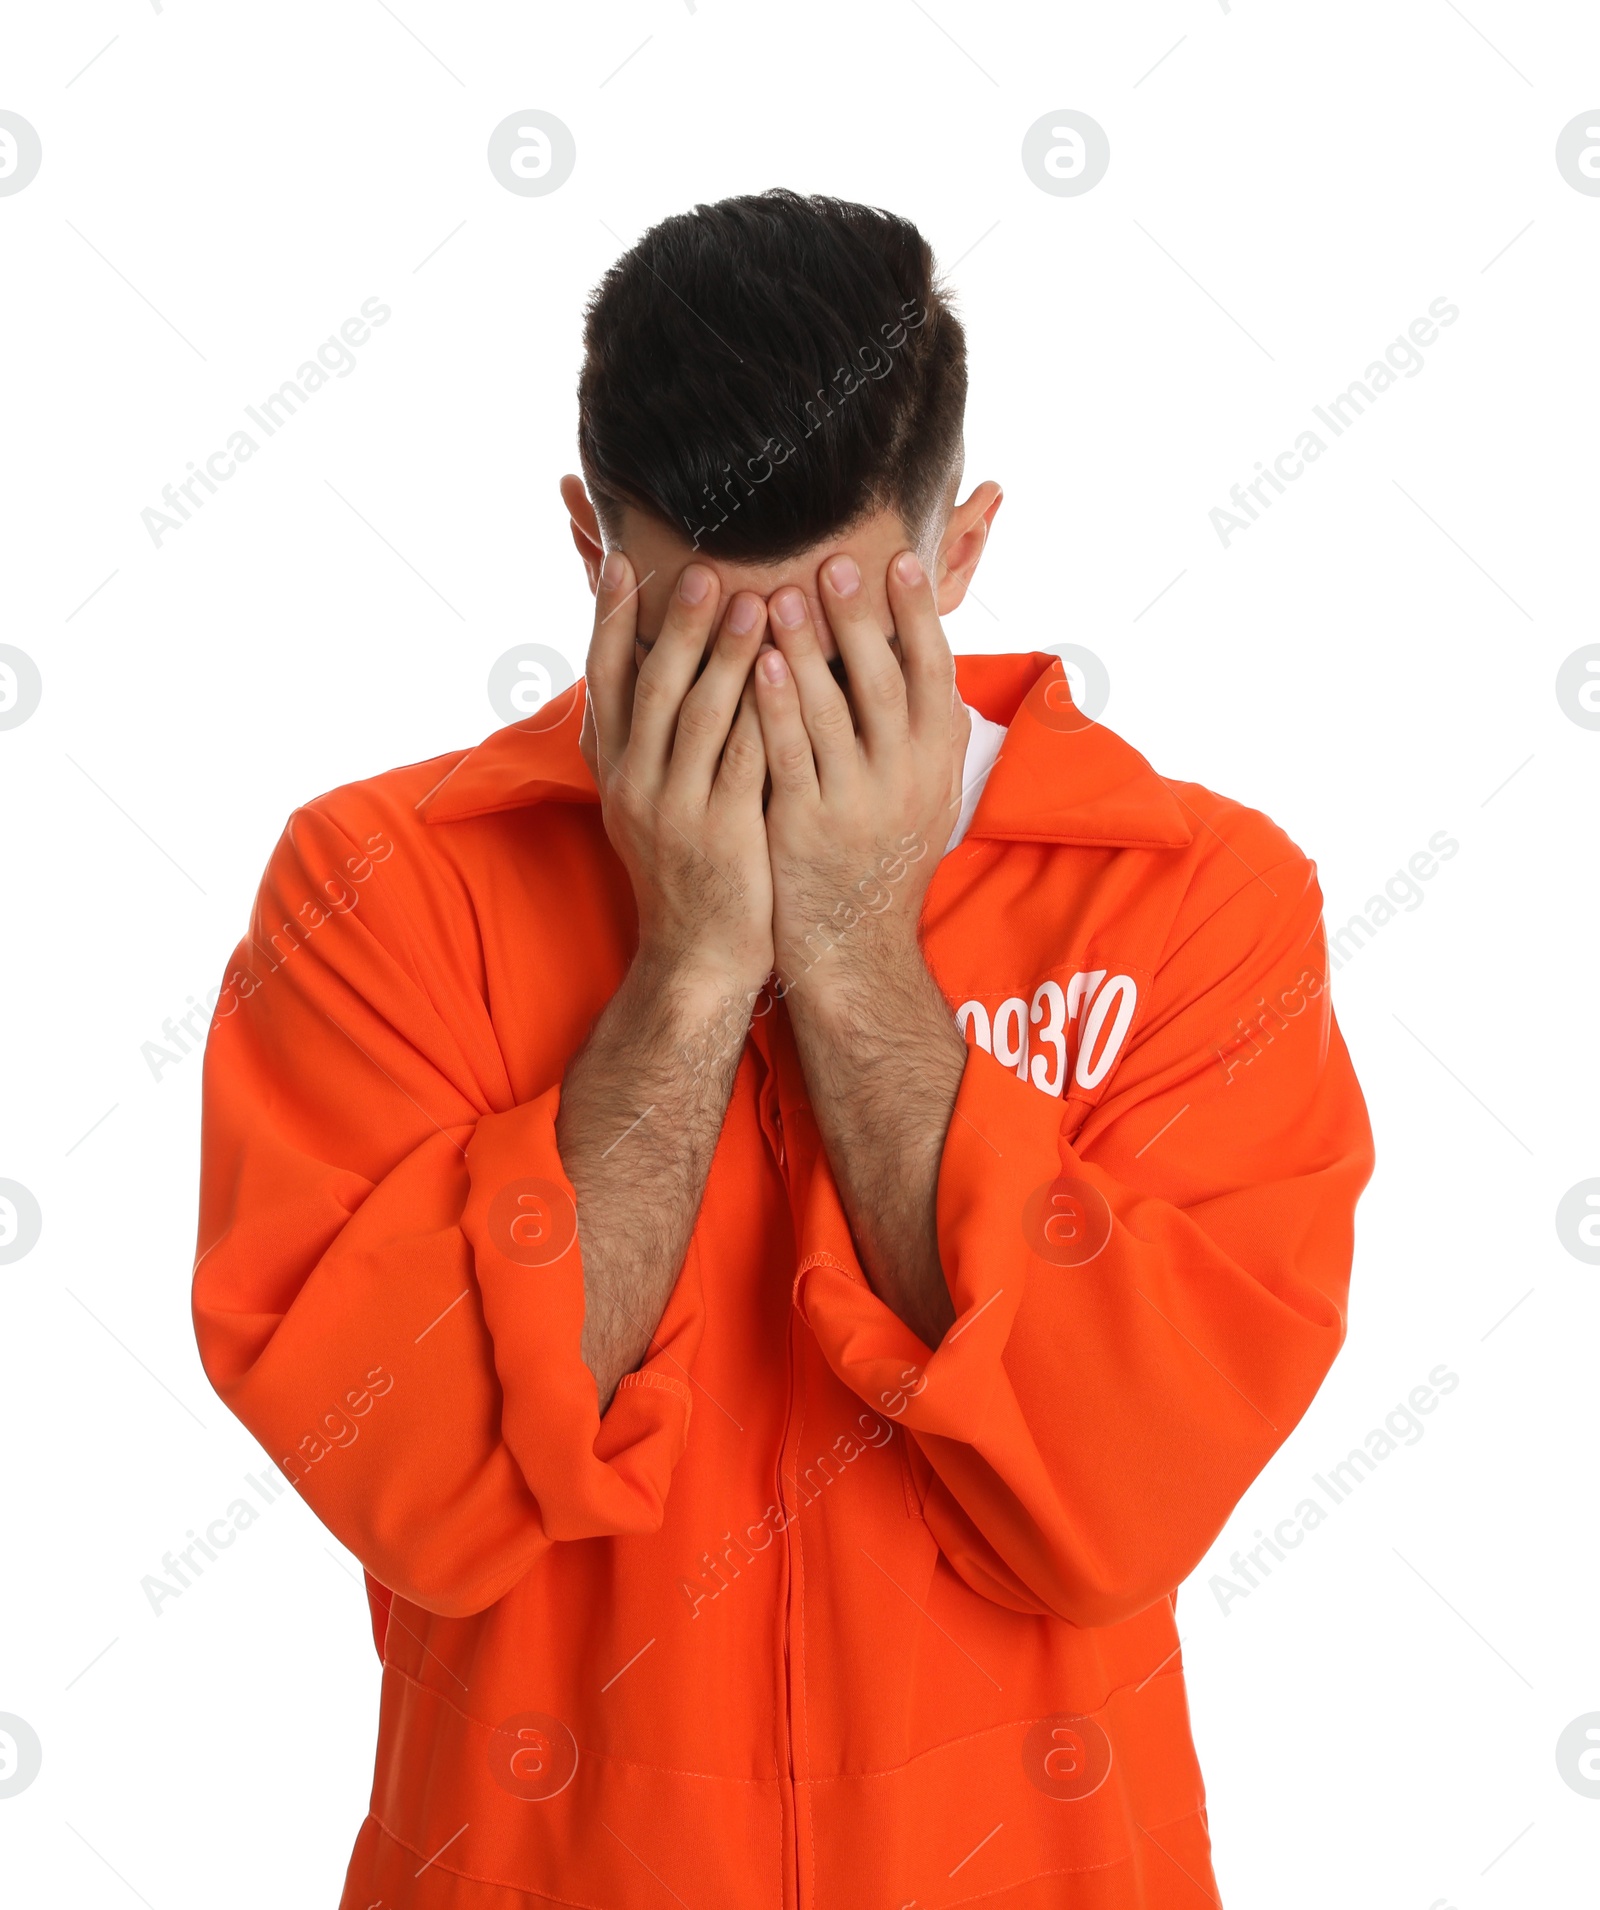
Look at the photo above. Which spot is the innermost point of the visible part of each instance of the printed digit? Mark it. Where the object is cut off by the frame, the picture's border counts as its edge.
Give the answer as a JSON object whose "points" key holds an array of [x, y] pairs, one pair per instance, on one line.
{"points": [[1050, 1006], [974, 1016], [1011, 1034], [1122, 990]]}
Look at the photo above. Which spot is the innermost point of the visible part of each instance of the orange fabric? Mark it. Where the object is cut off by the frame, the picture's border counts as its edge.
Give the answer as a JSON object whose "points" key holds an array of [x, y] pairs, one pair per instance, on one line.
{"points": [[809, 1617]]}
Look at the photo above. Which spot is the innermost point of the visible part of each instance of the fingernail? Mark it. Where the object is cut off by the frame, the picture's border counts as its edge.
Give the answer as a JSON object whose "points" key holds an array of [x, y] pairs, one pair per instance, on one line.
{"points": [[694, 583], [789, 608], [773, 665], [611, 570], [844, 576], [743, 614], [907, 569]]}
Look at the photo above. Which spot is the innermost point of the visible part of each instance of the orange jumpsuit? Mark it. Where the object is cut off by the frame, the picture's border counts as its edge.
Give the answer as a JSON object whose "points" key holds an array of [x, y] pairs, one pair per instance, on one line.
{"points": [[811, 1616]]}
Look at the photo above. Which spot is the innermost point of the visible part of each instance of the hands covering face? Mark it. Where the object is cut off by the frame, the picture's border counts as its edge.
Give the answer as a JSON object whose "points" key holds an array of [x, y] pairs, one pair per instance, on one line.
{"points": [[683, 739]]}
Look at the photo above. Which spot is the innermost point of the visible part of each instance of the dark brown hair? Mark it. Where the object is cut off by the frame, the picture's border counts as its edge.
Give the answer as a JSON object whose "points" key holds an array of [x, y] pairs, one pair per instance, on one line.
{"points": [[762, 373]]}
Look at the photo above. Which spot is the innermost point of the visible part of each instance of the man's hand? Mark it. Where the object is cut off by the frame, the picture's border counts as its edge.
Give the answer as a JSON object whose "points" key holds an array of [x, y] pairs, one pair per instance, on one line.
{"points": [[862, 800], [860, 810], [679, 764], [680, 767]]}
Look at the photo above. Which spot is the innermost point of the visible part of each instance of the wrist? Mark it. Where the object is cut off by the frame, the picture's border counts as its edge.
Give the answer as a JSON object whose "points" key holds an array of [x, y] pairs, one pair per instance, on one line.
{"points": [[850, 979], [691, 985], [689, 1016]]}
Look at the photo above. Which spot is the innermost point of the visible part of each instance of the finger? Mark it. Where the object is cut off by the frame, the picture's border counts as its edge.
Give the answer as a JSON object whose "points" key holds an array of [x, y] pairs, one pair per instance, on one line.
{"points": [[668, 670], [609, 669], [823, 707], [783, 732], [743, 769], [929, 668], [876, 682], [710, 706]]}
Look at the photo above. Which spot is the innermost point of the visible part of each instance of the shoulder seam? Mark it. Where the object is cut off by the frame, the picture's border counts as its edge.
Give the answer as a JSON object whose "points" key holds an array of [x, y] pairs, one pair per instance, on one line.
{"points": [[1298, 861]]}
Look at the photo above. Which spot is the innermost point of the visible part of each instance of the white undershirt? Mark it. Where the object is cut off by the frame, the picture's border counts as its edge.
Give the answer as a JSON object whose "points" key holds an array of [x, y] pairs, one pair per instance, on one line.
{"points": [[983, 747]]}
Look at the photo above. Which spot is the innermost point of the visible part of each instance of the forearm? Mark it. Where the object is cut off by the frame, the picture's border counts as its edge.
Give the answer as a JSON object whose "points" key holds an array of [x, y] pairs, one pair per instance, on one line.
{"points": [[883, 1060], [642, 1105]]}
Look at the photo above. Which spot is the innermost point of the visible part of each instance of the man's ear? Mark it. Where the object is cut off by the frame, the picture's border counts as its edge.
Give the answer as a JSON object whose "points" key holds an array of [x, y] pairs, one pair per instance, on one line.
{"points": [[962, 545], [585, 527]]}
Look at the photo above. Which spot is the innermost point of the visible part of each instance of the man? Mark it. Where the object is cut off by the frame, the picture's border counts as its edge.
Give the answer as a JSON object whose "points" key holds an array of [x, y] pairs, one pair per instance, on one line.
{"points": [[777, 1205]]}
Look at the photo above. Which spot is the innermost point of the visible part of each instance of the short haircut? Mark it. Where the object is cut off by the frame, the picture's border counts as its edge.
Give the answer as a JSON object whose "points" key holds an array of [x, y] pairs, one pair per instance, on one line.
{"points": [[763, 373]]}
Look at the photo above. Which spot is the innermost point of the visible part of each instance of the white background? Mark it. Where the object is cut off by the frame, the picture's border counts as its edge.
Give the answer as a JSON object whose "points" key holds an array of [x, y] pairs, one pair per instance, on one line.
{"points": [[1289, 188]]}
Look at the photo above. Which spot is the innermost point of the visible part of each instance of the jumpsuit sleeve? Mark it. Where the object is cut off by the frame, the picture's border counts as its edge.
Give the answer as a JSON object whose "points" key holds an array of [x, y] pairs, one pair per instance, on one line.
{"points": [[1144, 1311], [388, 1284]]}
